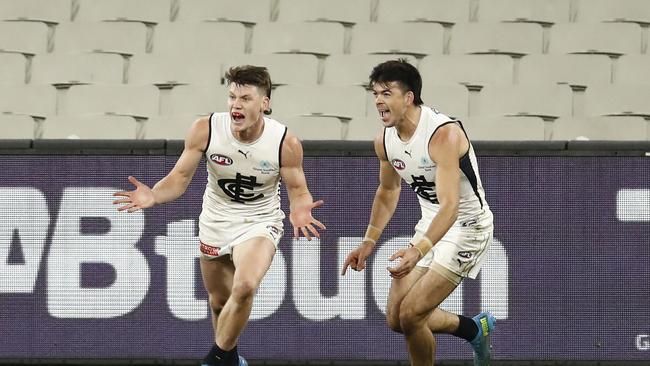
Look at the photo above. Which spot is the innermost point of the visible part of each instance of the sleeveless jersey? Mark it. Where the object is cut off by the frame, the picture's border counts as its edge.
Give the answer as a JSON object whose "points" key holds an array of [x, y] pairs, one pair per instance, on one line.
{"points": [[243, 178], [413, 163]]}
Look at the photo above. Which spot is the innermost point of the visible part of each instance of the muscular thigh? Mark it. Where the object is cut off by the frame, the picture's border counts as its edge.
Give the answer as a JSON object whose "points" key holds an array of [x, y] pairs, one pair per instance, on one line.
{"points": [[399, 288], [429, 292], [218, 277], [253, 258]]}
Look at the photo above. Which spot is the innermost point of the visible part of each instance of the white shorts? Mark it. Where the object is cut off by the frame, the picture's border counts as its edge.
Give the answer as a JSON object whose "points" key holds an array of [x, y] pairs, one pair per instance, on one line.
{"points": [[218, 238], [463, 248]]}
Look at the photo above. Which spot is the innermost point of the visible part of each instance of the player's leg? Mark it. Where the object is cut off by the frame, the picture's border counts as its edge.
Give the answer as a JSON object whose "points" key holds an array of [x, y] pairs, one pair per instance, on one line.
{"points": [[415, 311], [252, 259], [217, 273], [217, 276], [399, 287]]}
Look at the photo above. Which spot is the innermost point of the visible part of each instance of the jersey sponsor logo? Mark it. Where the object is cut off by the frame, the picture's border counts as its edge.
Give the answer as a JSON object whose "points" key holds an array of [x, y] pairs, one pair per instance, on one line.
{"points": [[221, 159], [398, 164], [241, 188], [209, 250], [244, 153]]}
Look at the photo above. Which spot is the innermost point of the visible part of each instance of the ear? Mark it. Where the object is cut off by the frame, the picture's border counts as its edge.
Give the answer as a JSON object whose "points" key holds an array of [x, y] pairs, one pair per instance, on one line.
{"points": [[410, 97], [266, 103]]}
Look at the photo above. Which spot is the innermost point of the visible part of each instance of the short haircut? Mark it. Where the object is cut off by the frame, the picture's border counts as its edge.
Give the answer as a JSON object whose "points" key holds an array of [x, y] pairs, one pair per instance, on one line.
{"points": [[250, 75], [401, 72]]}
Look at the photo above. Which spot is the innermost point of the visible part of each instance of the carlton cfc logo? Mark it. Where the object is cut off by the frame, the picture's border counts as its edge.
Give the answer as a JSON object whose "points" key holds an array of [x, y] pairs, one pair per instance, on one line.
{"points": [[398, 164], [221, 159]]}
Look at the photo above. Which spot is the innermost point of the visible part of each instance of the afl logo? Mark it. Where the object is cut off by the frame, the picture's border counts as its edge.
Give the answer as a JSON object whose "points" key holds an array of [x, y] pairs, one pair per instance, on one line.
{"points": [[221, 159], [398, 164]]}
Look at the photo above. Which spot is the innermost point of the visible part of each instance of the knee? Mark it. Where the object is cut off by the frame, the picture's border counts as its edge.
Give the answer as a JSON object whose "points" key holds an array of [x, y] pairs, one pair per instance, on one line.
{"points": [[216, 304], [393, 322], [408, 319], [243, 291]]}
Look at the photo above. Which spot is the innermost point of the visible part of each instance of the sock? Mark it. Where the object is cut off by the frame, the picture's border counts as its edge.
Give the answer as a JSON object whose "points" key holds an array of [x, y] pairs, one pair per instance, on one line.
{"points": [[217, 356], [467, 329]]}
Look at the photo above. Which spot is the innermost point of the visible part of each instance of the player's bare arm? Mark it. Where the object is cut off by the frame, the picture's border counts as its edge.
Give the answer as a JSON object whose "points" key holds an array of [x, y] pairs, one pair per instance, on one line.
{"points": [[175, 183], [446, 147], [300, 200], [383, 208]]}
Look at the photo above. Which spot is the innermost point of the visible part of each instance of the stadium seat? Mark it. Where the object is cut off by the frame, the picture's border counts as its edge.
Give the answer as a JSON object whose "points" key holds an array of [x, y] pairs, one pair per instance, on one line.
{"points": [[78, 68], [541, 11], [381, 38], [467, 69], [284, 68], [344, 11], [608, 10], [298, 38], [601, 128], [338, 101], [633, 69], [196, 100], [506, 38], [132, 100], [90, 127], [16, 126], [248, 11], [449, 99], [35, 100], [543, 100], [163, 69], [24, 37], [606, 38], [314, 127], [504, 128], [353, 69], [364, 128], [119, 37], [211, 40], [602, 100], [151, 11], [169, 127], [13, 68], [55, 11], [443, 11], [577, 69]]}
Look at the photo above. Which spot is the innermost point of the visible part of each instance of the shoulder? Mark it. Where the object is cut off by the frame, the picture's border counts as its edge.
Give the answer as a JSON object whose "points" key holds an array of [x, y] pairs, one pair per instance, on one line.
{"points": [[199, 133], [448, 138], [380, 149]]}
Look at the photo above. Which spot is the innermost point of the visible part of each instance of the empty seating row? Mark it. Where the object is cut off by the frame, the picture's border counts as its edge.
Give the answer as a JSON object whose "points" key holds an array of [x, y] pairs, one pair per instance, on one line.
{"points": [[218, 39], [256, 11]]}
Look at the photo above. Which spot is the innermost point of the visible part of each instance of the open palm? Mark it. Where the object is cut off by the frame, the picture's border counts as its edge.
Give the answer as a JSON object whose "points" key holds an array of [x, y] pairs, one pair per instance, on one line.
{"points": [[141, 197], [304, 222]]}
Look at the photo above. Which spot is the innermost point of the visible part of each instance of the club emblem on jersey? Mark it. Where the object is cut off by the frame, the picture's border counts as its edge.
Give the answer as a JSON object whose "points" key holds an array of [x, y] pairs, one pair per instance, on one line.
{"points": [[221, 159], [424, 189], [398, 164], [241, 188]]}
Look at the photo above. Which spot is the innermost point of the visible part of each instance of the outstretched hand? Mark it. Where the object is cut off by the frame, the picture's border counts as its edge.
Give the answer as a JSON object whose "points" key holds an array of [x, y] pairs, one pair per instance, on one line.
{"points": [[410, 258], [304, 222], [357, 258], [141, 197]]}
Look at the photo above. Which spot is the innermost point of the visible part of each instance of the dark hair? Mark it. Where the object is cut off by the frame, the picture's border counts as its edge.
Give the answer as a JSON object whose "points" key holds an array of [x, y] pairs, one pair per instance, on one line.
{"points": [[401, 72], [251, 75]]}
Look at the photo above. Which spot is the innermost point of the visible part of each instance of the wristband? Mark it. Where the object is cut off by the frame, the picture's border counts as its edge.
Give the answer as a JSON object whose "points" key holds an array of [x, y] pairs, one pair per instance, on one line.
{"points": [[372, 234], [369, 240], [423, 246]]}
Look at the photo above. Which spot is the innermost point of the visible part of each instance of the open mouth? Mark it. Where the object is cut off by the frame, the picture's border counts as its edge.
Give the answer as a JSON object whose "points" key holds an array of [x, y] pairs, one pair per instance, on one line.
{"points": [[237, 117], [383, 112]]}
